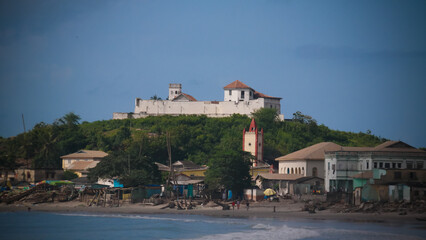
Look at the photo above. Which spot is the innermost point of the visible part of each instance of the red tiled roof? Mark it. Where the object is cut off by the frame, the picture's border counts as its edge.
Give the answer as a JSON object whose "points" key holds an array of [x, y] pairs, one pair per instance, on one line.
{"points": [[236, 84], [191, 98], [261, 95], [187, 96]]}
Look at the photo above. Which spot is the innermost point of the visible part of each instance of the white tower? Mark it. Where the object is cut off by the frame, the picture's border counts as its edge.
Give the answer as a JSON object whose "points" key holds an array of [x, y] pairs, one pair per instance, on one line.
{"points": [[174, 90]]}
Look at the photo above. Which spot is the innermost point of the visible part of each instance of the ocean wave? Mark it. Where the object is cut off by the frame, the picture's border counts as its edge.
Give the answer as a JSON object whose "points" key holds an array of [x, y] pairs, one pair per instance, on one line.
{"points": [[262, 231], [129, 216]]}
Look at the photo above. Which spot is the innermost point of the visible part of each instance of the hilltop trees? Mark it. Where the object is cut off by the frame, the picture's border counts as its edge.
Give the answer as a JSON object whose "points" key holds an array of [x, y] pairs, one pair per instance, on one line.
{"points": [[141, 142]]}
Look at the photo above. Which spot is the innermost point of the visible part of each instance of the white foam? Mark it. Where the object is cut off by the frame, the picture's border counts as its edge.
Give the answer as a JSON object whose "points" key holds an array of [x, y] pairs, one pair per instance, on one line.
{"points": [[261, 231], [129, 216]]}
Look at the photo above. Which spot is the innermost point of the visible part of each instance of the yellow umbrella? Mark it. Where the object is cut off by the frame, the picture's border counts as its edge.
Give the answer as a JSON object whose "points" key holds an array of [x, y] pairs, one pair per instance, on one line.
{"points": [[269, 192]]}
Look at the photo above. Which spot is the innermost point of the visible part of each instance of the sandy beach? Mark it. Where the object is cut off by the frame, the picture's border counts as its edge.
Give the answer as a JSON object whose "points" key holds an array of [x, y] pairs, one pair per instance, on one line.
{"points": [[283, 211]]}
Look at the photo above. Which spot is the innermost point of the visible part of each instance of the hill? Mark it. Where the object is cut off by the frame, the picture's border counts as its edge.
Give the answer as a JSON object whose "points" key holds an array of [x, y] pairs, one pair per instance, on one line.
{"points": [[194, 138]]}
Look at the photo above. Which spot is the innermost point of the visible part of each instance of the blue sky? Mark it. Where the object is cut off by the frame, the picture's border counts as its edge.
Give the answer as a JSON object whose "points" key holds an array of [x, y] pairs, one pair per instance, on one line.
{"points": [[352, 65]]}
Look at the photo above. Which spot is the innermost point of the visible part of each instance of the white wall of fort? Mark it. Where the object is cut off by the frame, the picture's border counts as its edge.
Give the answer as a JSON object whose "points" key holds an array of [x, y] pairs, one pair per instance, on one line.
{"points": [[144, 108]]}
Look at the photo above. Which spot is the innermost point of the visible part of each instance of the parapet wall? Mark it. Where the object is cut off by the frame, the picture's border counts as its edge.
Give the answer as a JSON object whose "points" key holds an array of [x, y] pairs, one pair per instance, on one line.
{"points": [[144, 108]]}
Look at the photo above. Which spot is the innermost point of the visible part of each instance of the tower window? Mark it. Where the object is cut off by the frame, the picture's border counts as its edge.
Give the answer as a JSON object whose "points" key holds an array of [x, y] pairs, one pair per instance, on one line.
{"points": [[242, 94], [230, 92]]}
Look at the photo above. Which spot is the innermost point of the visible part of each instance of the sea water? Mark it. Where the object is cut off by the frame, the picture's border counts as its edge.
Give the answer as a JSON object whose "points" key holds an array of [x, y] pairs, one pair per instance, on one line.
{"points": [[39, 225]]}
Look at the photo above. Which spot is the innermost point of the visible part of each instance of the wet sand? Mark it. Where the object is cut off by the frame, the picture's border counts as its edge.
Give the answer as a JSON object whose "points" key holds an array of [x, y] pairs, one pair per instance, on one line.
{"points": [[283, 211]]}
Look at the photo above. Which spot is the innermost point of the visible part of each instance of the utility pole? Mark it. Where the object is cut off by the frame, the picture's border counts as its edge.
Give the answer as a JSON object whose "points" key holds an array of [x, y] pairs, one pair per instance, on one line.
{"points": [[169, 151], [23, 123]]}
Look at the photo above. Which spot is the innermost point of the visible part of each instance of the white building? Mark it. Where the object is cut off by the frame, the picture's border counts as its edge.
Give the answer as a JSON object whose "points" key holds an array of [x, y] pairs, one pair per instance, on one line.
{"points": [[341, 165], [307, 162], [238, 99]]}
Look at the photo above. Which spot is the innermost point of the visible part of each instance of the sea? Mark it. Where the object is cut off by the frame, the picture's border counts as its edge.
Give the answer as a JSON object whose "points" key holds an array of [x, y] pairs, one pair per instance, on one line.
{"points": [[42, 225]]}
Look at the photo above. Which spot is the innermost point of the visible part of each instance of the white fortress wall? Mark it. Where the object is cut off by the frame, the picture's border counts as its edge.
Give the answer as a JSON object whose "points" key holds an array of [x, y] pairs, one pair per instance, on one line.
{"points": [[160, 107], [145, 108]]}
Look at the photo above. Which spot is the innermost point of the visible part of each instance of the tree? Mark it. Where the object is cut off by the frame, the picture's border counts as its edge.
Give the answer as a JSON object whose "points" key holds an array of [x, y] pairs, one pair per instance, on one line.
{"points": [[69, 175], [229, 169], [302, 118], [266, 118], [155, 97]]}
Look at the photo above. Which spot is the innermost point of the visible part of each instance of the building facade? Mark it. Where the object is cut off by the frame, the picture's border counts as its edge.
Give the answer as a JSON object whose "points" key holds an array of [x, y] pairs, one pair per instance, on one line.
{"points": [[307, 162], [238, 99], [343, 164], [81, 161], [253, 142]]}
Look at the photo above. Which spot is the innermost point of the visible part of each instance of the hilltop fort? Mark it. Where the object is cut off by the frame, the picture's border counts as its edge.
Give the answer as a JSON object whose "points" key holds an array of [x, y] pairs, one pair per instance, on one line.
{"points": [[238, 99]]}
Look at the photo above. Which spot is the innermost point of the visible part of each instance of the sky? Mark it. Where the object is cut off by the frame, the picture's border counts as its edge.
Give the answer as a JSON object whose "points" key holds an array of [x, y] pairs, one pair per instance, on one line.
{"points": [[351, 65]]}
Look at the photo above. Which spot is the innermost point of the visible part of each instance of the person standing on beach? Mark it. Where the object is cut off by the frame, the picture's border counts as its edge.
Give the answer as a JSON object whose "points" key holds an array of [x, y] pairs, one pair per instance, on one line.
{"points": [[248, 205], [238, 204], [233, 205]]}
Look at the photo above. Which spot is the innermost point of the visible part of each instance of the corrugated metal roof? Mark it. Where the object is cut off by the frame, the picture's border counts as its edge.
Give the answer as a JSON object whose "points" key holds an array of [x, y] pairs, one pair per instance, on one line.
{"points": [[82, 165], [274, 176], [85, 154], [314, 152]]}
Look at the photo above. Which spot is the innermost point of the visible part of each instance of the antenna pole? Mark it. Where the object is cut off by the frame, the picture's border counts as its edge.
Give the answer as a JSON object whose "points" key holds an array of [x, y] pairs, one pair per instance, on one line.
{"points": [[23, 123]]}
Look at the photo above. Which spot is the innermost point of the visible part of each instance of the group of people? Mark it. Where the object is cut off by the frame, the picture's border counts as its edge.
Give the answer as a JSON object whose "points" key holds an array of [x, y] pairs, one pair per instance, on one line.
{"points": [[238, 205]]}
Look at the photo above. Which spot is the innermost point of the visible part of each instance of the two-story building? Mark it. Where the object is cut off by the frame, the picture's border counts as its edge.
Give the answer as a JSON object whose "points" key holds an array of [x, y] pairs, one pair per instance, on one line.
{"points": [[342, 164]]}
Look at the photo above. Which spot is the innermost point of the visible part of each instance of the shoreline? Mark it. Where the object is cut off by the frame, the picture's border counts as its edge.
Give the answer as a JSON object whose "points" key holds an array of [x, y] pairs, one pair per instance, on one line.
{"points": [[259, 211]]}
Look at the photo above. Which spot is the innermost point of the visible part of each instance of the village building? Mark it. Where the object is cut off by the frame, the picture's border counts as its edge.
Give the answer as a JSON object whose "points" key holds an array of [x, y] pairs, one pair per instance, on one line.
{"points": [[293, 184], [25, 172], [307, 162], [189, 168], [389, 185], [80, 162], [238, 99], [344, 163]]}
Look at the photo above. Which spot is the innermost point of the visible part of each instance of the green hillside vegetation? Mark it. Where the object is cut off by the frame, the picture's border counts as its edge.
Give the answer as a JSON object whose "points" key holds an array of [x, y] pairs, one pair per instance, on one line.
{"points": [[134, 145]]}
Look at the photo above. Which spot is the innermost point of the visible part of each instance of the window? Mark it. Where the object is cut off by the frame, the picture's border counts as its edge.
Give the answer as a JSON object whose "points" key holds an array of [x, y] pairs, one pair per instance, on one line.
{"points": [[409, 164], [314, 172], [375, 165], [242, 94], [175, 92], [397, 175], [387, 165], [393, 165], [420, 165], [380, 165], [230, 92], [413, 175], [367, 164], [251, 93], [328, 166]]}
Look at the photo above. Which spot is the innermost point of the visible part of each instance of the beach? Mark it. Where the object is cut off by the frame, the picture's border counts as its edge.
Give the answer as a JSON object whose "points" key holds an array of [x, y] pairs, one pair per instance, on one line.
{"points": [[284, 210]]}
